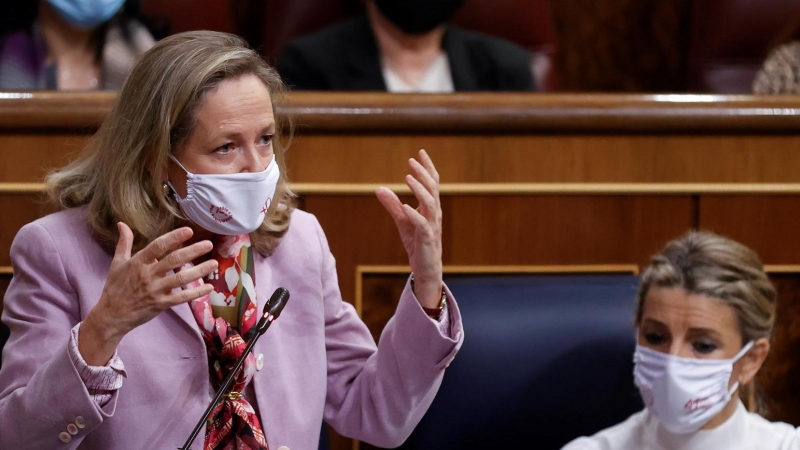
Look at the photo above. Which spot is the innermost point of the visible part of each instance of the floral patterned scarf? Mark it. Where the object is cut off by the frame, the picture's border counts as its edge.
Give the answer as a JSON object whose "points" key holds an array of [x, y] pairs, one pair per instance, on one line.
{"points": [[224, 316]]}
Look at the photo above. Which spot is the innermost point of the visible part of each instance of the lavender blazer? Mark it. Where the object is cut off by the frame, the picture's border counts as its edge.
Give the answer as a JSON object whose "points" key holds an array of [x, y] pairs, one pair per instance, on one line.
{"points": [[319, 359]]}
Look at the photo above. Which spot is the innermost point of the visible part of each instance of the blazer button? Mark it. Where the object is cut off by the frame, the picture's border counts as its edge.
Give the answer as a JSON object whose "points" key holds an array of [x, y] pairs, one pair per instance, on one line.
{"points": [[259, 366], [283, 447], [80, 422], [72, 429], [65, 437]]}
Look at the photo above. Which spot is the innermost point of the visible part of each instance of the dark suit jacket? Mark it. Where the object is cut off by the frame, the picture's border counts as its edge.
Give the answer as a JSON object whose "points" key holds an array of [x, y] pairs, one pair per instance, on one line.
{"points": [[345, 57]]}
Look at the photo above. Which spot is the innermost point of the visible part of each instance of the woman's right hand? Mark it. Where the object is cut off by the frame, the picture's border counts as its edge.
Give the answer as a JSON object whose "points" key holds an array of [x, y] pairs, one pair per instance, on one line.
{"points": [[139, 287]]}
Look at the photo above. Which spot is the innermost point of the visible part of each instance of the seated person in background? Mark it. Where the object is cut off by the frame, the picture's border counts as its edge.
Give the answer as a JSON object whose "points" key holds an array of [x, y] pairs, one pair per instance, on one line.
{"points": [[704, 316], [70, 44], [405, 46], [780, 73]]}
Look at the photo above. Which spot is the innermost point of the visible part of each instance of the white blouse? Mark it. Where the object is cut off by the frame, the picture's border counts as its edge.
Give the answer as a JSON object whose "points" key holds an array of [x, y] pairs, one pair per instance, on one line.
{"points": [[743, 431], [437, 78]]}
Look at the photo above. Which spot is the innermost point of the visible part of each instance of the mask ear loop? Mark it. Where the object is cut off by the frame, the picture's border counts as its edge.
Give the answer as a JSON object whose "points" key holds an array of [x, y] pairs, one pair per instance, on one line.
{"points": [[188, 175], [736, 358], [743, 351]]}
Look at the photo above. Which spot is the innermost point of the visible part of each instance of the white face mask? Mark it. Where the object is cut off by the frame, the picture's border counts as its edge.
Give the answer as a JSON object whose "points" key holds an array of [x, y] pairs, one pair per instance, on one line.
{"points": [[683, 393], [228, 204]]}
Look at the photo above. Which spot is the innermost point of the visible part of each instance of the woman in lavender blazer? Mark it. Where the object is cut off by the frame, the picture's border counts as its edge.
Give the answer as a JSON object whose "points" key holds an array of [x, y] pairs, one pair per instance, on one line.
{"points": [[122, 323]]}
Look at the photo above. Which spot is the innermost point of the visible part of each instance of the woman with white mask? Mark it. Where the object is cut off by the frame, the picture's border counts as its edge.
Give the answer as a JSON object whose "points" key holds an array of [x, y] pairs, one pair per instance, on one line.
{"points": [[131, 305], [704, 316]]}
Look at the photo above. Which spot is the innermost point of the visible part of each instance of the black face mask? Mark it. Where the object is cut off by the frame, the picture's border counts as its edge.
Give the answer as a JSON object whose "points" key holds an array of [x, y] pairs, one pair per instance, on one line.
{"points": [[418, 16]]}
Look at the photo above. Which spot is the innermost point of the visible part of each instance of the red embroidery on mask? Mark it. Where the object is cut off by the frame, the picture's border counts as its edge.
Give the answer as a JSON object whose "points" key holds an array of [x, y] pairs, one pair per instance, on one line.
{"points": [[266, 206], [220, 213], [698, 403]]}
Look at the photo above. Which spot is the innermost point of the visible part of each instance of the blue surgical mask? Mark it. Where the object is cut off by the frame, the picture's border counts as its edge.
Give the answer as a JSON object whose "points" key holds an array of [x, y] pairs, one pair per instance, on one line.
{"points": [[86, 14]]}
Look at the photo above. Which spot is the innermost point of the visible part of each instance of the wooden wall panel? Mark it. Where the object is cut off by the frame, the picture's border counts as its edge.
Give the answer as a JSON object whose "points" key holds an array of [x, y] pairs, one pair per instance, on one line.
{"points": [[562, 229], [508, 230], [768, 224], [549, 158], [778, 383], [28, 157], [487, 159]]}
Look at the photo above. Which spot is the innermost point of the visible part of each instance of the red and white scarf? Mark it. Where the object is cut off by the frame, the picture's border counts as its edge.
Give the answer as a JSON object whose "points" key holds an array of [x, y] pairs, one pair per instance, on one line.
{"points": [[233, 423]]}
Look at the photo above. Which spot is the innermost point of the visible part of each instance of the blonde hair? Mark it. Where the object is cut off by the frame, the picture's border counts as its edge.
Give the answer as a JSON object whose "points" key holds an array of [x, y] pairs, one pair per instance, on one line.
{"points": [[707, 264], [118, 174]]}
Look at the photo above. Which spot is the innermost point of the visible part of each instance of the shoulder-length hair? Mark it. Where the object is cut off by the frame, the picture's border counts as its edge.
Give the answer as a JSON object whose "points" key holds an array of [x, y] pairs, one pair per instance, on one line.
{"points": [[118, 174]]}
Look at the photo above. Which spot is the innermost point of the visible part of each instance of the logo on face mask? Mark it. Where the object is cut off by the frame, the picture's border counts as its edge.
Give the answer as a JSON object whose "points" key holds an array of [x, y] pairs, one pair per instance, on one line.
{"points": [[266, 206], [220, 213], [700, 403]]}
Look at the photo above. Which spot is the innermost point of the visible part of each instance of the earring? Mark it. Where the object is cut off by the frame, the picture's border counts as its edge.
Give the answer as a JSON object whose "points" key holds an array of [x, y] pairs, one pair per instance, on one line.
{"points": [[165, 189]]}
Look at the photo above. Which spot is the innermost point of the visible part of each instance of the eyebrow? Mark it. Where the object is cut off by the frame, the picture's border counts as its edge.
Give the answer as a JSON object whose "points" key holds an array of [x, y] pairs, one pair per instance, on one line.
{"points": [[217, 133], [693, 330], [656, 322], [699, 330]]}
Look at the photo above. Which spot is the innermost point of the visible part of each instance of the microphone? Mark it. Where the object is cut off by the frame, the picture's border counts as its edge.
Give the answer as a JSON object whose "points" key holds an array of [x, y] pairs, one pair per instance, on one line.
{"points": [[272, 310]]}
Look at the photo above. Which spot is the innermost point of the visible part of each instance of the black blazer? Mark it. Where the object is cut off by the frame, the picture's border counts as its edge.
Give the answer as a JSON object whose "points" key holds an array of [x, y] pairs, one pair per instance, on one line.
{"points": [[345, 57]]}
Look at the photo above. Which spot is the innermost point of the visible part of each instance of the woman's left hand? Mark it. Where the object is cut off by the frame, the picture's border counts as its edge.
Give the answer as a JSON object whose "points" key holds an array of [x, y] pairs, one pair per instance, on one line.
{"points": [[421, 228]]}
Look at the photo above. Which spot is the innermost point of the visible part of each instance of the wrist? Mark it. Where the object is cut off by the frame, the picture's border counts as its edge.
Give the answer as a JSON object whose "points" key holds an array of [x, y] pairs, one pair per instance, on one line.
{"points": [[430, 295], [97, 342]]}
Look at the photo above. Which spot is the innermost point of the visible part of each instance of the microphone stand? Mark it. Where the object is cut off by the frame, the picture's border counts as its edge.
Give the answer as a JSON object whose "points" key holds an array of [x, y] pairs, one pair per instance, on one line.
{"points": [[272, 310]]}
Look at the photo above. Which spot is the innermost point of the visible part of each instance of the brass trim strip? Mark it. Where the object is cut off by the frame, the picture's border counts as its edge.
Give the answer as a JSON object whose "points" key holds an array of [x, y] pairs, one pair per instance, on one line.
{"points": [[21, 188], [781, 268]]}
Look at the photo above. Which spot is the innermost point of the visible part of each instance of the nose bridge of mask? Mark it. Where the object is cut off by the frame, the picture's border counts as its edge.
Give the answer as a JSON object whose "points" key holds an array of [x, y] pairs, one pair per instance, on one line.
{"points": [[669, 359], [705, 368]]}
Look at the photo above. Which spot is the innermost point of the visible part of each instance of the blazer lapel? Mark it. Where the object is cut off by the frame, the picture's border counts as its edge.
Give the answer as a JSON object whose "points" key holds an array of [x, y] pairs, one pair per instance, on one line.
{"points": [[184, 312], [462, 69], [263, 282], [363, 61]]}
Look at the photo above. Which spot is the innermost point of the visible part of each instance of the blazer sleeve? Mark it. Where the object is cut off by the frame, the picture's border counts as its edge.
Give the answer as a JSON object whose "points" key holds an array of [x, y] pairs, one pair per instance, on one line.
{"points": [[41, 391], [379, 394]]}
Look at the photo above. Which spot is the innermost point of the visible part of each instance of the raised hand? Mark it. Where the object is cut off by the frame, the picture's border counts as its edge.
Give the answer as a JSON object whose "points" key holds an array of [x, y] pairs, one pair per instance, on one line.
{"points": [[420, 228], [139, 287]]}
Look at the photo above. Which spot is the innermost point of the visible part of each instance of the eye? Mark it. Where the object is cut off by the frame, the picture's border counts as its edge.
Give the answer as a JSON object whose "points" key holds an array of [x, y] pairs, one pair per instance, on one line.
{"points": [[225, 148], [655, 338], [265, 139], [704, 346]]}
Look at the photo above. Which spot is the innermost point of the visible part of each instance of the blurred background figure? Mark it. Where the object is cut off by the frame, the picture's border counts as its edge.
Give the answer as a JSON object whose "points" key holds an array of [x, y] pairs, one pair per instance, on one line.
{"points": [[780, 73], [69, 44], [405, 46]]}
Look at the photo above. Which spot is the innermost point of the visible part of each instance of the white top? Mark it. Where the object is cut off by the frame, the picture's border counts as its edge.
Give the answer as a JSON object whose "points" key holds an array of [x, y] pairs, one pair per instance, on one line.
{"points": [[743, 431], [437, 78]]}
